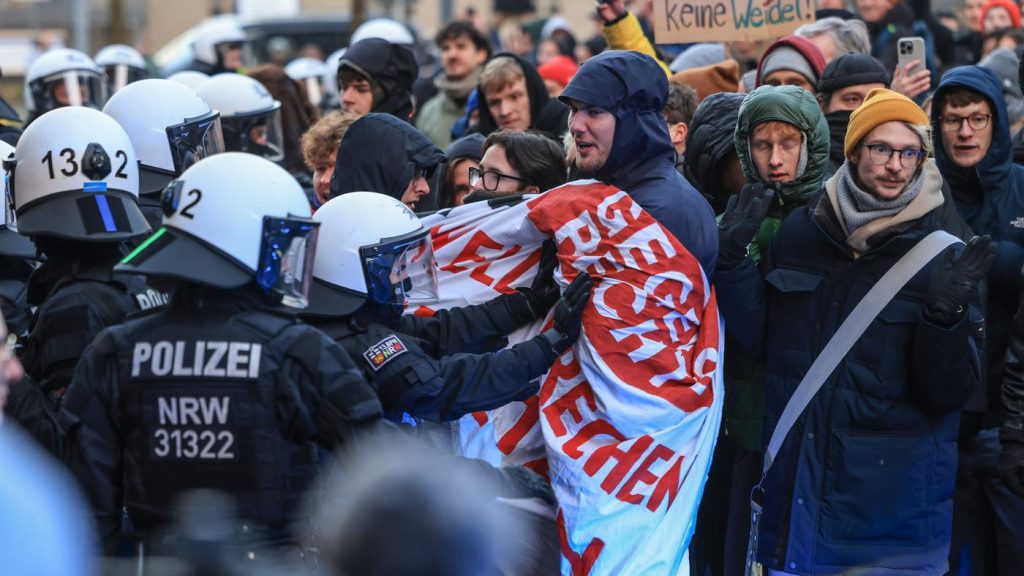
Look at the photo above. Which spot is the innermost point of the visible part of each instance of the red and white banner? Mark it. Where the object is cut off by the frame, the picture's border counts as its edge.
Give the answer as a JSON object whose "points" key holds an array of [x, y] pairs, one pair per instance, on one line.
{"points": [[625, 423]]}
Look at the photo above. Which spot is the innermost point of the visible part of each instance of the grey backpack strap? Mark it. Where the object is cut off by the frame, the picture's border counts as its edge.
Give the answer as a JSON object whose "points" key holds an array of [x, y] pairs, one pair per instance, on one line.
{"points": [[850, 331]]}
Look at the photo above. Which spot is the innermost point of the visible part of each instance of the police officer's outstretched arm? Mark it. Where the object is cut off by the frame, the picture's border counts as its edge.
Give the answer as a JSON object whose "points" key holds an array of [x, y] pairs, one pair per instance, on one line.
{"points": [[380, 255], [482, 327], [470, 382], [92, 449]]}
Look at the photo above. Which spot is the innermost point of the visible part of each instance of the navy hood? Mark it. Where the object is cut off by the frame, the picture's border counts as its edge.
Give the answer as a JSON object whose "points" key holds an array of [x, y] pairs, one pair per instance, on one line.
{"points": [[381, 153], [995, 168], [633, 87]]}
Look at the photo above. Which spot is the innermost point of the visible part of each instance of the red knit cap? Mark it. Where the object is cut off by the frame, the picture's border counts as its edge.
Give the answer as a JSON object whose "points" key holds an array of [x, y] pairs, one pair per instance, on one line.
{"points": [[1010, 7], [809, 50], [559, 69]]}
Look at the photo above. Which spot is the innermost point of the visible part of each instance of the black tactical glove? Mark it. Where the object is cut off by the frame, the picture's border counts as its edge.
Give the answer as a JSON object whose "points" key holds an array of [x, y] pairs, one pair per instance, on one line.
{"points": [[521, 482], [569, 313], [740, 222], [543, 293], [1011, 459], [956, 279]]}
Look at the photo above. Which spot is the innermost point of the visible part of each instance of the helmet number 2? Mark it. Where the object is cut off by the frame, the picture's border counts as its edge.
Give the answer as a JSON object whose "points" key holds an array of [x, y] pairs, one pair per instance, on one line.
{"points": [[196, 195], [71, 165]]}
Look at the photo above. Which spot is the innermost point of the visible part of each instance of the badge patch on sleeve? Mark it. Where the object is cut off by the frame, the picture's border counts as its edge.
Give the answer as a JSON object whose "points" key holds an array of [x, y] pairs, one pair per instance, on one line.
{"points": [[384, 351]]}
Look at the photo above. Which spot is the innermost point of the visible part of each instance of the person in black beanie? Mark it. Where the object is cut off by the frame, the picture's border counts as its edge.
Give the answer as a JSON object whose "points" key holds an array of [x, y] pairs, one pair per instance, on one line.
{"points": [[841, 89]]}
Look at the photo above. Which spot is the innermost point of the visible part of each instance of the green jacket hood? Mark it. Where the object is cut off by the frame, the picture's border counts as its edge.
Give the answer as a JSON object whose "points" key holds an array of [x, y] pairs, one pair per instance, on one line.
{"points": [[792, 105]]}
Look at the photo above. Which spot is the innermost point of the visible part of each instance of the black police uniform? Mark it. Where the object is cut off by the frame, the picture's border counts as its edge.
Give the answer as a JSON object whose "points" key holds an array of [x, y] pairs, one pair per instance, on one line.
{"points": [[440, 368], [212, 391], [14, 274], [76, 300]]}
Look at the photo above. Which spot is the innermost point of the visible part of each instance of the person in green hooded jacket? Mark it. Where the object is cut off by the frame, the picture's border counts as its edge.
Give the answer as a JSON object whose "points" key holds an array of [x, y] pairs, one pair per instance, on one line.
{"points": [[782, 141]]}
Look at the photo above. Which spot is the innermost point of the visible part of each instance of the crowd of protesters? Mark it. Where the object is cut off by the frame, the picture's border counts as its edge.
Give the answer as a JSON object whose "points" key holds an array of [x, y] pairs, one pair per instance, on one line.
{"points": [[798, 171]]}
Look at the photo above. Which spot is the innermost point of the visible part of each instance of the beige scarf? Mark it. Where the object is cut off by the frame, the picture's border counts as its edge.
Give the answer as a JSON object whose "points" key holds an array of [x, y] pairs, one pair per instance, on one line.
{"points": [[928, 199]]}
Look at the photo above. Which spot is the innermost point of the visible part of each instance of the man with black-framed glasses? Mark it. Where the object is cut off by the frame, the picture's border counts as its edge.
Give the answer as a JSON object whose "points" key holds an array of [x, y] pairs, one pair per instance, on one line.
{"points": [[516, 163], [974, 153]]}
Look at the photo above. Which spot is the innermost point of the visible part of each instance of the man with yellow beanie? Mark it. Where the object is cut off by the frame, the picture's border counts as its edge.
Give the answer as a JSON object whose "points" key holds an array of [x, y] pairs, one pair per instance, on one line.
{"points": [[864, 479]]}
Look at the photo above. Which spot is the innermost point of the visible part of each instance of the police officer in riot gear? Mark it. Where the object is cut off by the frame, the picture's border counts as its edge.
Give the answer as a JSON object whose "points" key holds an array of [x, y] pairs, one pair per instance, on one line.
{"points": [[218, 46], [374, 255], [122, 65], [171, 128], [250, 116], [74, 185], [222, 389], [63, 77]]}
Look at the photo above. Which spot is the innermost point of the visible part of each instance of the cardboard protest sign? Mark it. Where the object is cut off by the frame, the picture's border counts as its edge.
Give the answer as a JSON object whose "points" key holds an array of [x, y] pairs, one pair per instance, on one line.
{"points": [[682, 21]]}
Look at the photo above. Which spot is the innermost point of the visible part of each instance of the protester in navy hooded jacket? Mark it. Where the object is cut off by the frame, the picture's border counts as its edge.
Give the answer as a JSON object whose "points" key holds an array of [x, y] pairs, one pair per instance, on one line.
{"points": [[989, 194], [638, 157]]}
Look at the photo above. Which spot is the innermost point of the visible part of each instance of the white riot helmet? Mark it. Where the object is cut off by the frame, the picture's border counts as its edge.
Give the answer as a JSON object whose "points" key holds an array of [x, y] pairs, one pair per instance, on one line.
{"points": [[229, 220], [64, 77], [379, 251], [310, 73], [74, 175], [11, 243], [385, 28], [330, 80], [250, 117], [215, 37], [122, 64], [189, 78], [170, 126]]}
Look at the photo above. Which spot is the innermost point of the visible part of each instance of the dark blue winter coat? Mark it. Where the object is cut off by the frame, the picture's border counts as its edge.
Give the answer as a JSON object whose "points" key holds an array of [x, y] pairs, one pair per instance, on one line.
{"points": [[865, 477], [633, 88], [990, 198]]}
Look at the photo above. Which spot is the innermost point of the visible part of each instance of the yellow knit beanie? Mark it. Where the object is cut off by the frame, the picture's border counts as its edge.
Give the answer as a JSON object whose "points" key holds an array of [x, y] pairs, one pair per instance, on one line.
{"points": [[881, 106]]}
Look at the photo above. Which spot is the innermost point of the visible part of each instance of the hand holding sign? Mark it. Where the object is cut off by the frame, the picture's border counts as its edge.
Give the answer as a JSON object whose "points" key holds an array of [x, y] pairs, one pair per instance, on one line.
{"points": [[728, 20]]}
